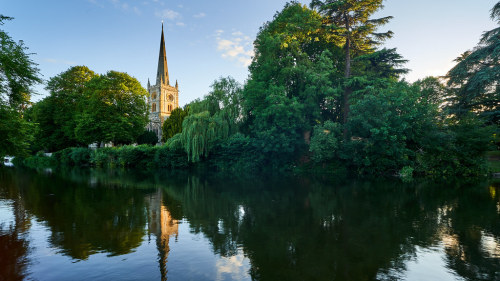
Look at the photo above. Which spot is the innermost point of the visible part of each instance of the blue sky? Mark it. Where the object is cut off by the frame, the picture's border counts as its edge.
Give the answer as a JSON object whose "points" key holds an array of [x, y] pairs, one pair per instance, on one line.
{"points": [[209, 39]]}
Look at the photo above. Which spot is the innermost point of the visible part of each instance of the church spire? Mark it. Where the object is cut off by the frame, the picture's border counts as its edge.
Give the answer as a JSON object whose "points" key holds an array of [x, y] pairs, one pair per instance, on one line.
{"points": [[162, 74]]}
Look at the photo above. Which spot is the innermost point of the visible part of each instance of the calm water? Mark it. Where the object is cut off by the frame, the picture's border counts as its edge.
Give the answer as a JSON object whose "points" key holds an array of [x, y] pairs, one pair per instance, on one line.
{"points": [[125, 225]]}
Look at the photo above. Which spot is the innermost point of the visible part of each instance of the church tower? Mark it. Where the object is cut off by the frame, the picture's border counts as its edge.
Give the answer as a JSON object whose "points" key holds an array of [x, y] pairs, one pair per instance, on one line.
{"points": [[163, 97]]}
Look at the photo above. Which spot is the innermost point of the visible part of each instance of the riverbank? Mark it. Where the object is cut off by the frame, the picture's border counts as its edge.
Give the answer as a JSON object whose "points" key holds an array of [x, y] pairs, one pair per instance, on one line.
{"points": [[493, 158], [164, 157]]}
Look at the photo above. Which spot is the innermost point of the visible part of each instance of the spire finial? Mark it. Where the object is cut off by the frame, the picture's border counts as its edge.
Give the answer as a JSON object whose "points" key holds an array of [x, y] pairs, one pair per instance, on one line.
{"points": [[162, 74]]}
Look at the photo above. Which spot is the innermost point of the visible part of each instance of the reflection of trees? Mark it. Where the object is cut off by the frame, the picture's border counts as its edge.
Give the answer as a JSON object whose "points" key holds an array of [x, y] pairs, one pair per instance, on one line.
{"points": [[13, 254], [354, 231], [14, 248], [290, 229], [86, 220], [473, 248]]}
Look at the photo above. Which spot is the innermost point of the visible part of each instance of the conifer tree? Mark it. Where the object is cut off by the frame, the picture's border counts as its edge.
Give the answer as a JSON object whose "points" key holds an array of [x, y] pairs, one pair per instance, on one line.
{"points": [[474, 80], [349, 20]]}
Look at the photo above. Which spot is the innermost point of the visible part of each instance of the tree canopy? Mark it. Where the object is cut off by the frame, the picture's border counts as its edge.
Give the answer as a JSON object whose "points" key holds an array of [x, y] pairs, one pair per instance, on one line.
{"points": [[173, 124], [18, 73], [57, 114], [115, 110], [474, 79]]}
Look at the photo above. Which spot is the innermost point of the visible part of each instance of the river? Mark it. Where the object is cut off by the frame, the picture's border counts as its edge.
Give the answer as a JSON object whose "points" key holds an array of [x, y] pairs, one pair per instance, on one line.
{"points": [[85, 224]]}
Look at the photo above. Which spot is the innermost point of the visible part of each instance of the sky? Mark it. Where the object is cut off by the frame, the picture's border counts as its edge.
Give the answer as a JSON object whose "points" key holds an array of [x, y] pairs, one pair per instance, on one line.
{"points": [[206, 40]]}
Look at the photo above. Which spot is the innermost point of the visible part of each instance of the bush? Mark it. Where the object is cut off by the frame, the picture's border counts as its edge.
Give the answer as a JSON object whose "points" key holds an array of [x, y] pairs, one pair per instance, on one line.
{"points": [[168, 157], [138, 156], [147, 137], [80, 156], [325, 141], [104, 157], [236, 154]]}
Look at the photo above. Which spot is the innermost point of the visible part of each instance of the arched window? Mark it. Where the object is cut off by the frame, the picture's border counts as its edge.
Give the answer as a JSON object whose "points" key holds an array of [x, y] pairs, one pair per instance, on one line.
{"points": [[153, 96], [169, 107], [154, 107]]}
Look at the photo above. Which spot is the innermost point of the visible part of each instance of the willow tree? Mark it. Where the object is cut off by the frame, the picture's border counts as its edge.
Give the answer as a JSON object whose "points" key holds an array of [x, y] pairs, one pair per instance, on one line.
{"points": [[474, 79], [212, 119], [349, 20]]}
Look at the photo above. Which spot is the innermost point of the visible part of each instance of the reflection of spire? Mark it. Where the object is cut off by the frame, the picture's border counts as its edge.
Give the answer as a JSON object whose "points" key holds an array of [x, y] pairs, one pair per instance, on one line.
{"points": [[163, 226]]}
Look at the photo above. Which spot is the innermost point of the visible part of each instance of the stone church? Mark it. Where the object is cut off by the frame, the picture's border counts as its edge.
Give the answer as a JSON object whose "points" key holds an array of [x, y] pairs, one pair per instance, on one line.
{"points": [[163, 97]]}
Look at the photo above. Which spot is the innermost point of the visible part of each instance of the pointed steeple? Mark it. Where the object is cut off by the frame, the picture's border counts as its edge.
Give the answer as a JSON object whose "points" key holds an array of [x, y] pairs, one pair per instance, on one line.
{"points": [[162, 74]]}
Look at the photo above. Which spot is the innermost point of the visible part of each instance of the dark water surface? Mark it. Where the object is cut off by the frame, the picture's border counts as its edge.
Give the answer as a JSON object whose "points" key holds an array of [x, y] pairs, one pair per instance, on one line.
{"points": [[126, 225]]}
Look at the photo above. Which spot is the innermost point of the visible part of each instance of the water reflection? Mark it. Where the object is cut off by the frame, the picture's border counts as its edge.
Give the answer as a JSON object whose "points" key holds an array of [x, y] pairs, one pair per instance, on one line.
{"points": [[264, 229]]}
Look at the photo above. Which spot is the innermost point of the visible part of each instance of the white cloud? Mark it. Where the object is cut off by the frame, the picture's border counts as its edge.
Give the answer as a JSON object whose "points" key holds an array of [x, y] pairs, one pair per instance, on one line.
{"points": [[235, 267], [237, 48], [168, 14], [180, 24], [200, 15]]}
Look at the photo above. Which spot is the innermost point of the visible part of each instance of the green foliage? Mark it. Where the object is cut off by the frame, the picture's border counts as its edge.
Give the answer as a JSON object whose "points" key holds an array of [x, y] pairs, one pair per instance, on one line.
{"points": [[292, 82], [80, 156], [18, 73], [15, 132], [172, 158], [406, 173], [388, 124], [104, 157], [326, 141], [349, 22], [173, 124], [384, 63], [57, 114], [238, 153], [457, 149], [38, 160], [115, 112], [147, 137], [212, 119], [474, 79], [143, 156]]}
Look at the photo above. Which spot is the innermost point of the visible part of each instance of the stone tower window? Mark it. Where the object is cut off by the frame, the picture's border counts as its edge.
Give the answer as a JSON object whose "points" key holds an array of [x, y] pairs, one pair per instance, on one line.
{"points": [[154, 107], [169, 107], [153, 96]]}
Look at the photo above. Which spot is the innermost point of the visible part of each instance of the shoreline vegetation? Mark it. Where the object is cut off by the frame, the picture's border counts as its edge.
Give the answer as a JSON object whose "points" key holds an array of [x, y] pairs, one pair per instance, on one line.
{"points": [[322, 96]]}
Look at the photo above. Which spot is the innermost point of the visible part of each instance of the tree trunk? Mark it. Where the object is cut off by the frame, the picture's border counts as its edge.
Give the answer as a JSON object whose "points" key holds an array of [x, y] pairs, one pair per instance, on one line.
{"points": [[348, 90]]}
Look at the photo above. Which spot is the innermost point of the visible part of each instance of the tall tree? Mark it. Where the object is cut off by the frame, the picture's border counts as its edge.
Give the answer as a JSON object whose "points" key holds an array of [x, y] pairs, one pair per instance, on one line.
{"points": [[475, 79], [57, 114], [18, 73], [350, 21], [116, 110], [292, 80]]}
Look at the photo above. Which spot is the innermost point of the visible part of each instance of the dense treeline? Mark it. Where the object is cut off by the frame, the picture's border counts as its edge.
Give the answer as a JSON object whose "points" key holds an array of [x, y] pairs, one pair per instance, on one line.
{"points": [[85, 108], [321, 94]]}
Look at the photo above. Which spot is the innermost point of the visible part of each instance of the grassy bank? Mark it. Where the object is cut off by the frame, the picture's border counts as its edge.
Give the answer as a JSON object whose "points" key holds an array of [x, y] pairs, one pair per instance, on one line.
{"points": [[142, 156]]}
